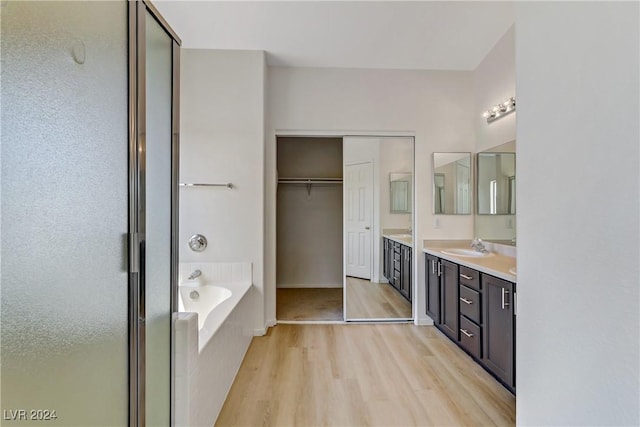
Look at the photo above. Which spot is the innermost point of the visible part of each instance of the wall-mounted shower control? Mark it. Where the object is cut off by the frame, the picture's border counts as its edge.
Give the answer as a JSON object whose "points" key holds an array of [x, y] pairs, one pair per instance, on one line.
{"points": [[198, 243]]}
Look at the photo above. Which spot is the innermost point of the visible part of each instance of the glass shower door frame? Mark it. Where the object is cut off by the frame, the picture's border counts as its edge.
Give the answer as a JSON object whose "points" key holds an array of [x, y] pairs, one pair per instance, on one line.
{"points": [[138, 10]]}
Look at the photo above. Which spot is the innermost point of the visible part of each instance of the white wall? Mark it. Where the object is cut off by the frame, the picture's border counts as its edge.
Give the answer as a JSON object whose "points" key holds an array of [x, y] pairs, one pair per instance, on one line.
{"points": [[309, 221], [494, 81], [578, 233], [222, 140], [396, 155], [435, 106]]}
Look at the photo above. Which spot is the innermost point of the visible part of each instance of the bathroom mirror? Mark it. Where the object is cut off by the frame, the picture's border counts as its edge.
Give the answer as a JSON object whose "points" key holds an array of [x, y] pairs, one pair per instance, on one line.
{"points": [[496, 183], [378, 184], [452, 183], [400, 192]]}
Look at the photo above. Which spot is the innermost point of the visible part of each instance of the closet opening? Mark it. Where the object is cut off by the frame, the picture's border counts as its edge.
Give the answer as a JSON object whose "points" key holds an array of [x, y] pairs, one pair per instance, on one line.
{"points": [[309, 229]]}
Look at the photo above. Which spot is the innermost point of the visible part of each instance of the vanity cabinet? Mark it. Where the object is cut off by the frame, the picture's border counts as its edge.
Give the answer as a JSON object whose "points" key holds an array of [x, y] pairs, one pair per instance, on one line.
{"points": [[449, 299], [499, 328], [442, 294], [471, 327], [386, 250], [405, 271], [476, 311], [397, 261], [433, 288]]}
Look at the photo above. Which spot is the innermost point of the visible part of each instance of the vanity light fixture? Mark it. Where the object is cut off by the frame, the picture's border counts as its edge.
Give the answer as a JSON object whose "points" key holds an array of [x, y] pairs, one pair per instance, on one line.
{"points": [[500, 110]]}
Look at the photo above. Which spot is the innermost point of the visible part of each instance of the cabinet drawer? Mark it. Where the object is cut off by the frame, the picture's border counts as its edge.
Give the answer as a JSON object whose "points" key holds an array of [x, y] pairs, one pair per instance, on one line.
{"points": [[470, 277], [470, 303], [470, 337]]}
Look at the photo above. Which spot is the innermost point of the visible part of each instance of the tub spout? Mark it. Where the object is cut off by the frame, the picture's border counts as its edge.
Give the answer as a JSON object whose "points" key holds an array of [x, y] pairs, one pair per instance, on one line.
{"points": [[195, 274]]}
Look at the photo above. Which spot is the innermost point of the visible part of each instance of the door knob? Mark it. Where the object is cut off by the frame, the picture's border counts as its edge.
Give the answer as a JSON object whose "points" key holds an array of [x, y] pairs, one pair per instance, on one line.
{"points": [[367, 228]]}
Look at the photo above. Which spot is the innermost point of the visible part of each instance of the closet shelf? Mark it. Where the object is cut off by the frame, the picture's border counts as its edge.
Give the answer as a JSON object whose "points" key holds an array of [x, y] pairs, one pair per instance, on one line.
{"points": [[309, 180]]}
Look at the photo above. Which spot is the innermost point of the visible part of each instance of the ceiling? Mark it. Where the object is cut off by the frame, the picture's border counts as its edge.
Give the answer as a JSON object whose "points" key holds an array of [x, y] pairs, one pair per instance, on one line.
{"points": [[431, 35]]}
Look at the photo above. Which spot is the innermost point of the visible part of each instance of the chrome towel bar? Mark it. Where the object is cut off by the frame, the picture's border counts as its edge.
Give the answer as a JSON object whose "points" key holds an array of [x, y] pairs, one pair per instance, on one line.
{"points": [[190, 184]]}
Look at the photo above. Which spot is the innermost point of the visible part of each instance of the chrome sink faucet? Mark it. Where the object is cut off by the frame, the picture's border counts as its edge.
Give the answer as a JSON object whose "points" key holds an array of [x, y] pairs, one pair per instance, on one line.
{"points": [[194, 275], [477, 244]]}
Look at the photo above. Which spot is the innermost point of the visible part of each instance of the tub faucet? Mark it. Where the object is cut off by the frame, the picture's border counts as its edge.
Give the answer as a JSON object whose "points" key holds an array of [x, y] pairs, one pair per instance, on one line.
{"points": [[478, 245], [195, 274]]}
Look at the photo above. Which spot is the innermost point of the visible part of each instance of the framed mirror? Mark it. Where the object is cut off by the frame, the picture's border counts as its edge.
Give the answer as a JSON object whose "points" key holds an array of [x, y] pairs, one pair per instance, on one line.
{"points": [[400, 192], [452, 183], [496, 183]]}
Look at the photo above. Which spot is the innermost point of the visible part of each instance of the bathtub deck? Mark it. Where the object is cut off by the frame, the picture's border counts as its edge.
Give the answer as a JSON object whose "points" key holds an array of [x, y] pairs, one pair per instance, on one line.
{"points": [[354, 375]]}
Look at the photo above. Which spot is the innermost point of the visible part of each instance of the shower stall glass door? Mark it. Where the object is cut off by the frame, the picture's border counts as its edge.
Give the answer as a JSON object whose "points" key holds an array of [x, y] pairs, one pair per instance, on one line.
{"points": [[156, 198], [87, 213]]}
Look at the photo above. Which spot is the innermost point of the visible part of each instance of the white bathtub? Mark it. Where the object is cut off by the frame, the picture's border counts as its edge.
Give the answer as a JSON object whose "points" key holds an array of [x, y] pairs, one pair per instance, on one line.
{"points": [[202, 298], [212, 334]]}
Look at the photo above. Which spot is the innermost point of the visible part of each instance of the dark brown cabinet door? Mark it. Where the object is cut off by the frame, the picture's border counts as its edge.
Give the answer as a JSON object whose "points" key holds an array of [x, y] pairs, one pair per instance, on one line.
{"points": [[405, 272], [449, 315], [397, 264], [498, 325], [385, 257], [433, 288], [390, 262]]}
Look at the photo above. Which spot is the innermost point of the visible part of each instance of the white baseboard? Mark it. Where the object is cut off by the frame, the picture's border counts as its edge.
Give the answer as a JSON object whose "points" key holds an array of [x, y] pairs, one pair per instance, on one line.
{"points": [[311, 322], [424, 321], [308, 286], [262, 331]]}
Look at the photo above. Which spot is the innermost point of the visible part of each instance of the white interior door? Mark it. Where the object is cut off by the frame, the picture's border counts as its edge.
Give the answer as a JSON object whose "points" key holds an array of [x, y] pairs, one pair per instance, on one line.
{"points": [[358, 185]]}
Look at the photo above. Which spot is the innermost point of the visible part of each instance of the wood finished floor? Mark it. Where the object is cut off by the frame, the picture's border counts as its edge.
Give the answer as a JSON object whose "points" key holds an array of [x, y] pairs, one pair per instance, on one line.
{"points": [[368, 300], [362, 375], [309, 304]]}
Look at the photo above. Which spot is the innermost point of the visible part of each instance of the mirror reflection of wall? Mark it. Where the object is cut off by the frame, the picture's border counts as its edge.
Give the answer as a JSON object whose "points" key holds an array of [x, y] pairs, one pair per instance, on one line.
{"points": [[495, 218], [452, 183], [439, 193], [496, 183], [401, 194]]}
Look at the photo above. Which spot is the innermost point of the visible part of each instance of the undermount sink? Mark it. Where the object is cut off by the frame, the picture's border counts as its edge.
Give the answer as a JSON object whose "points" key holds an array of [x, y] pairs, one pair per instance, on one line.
{"points": [[472, 253], [401, 236], [512, 270]]}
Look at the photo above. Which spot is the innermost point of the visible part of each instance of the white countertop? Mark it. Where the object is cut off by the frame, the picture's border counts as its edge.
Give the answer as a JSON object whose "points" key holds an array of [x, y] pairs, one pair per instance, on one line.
{"points": [[496, 264], [404, 240]]}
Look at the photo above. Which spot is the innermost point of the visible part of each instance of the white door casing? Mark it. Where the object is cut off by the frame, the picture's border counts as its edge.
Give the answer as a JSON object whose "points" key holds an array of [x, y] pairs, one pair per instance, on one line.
{"points": [[358, 187]]}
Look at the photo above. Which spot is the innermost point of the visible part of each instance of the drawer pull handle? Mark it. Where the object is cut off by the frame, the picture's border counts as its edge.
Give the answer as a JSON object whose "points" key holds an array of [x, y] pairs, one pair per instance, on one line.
{"points": [[467, 333], [466, 301], [464, 276]]}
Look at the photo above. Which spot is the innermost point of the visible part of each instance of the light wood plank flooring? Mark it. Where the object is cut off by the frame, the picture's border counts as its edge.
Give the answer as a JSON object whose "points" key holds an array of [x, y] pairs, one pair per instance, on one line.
{"points": [[362, 375], [368, 300], [309, 304]]}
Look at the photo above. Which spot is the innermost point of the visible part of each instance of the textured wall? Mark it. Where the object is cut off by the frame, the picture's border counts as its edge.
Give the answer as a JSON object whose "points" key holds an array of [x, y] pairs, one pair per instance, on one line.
{"points": [[578, 233]]}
